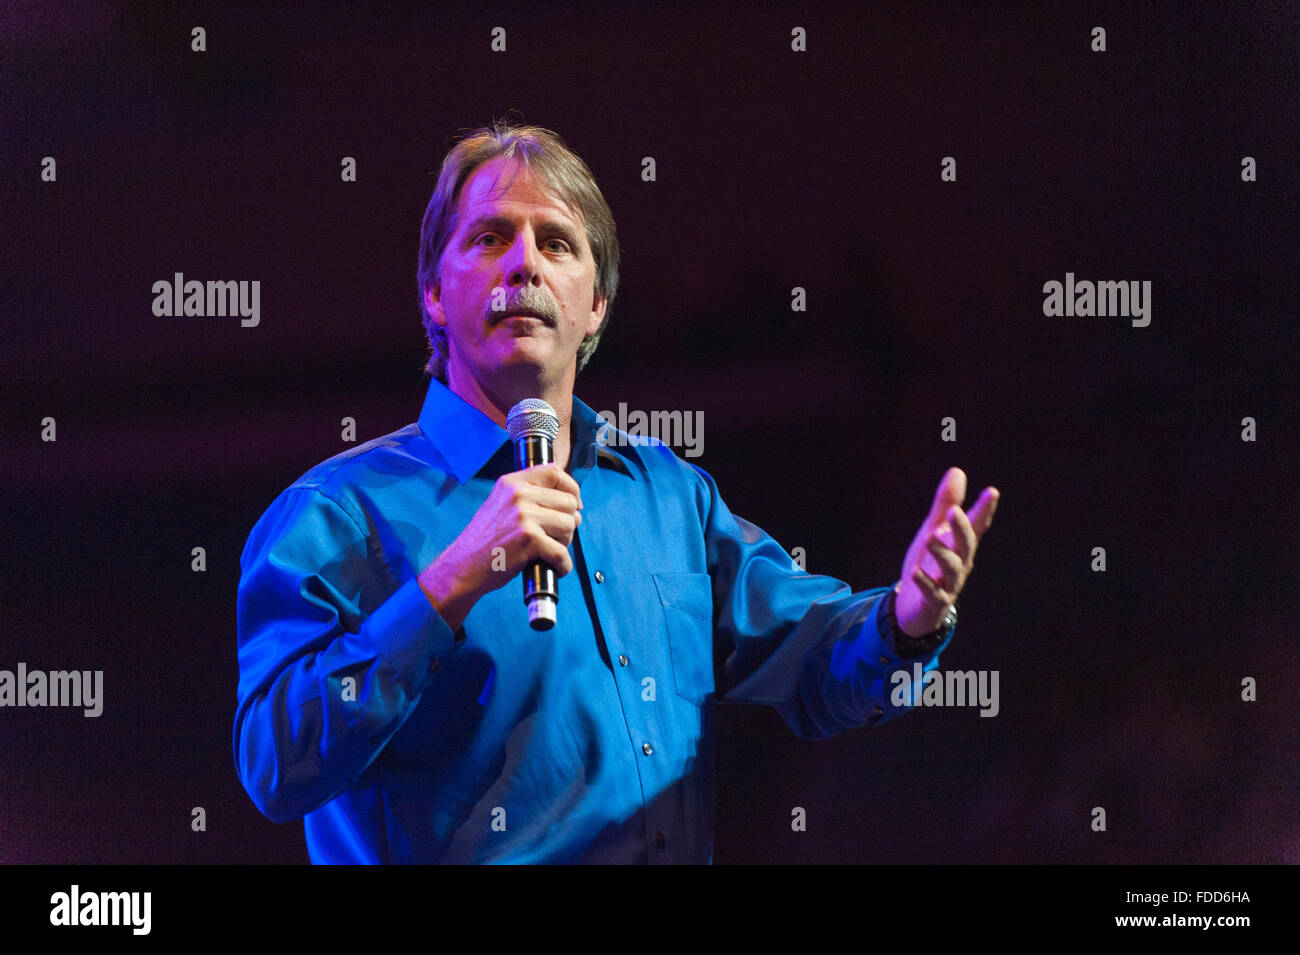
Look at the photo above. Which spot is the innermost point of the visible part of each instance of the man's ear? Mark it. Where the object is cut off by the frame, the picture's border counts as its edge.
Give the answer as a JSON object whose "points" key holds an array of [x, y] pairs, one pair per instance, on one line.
{"points": [[432, 293], [598, 304]]}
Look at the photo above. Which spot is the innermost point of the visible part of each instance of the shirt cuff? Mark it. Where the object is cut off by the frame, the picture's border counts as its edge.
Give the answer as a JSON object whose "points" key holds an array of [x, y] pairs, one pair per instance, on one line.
{"points": [[906, 646], [410, 633]]}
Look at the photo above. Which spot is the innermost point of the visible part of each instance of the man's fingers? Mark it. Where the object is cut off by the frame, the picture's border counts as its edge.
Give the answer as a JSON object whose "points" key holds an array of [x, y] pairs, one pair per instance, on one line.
{"points": [[951, 490], [949, 563], [554, 499], [932, 591], [964, 538], [546, 537], [558, 524], [552, 552], [981, 515], [554, 476]]}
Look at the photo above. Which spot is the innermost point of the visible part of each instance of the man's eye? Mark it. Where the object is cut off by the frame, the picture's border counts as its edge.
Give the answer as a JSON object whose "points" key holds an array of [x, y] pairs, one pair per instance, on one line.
{"points": [[485, 235], [562, 245]]}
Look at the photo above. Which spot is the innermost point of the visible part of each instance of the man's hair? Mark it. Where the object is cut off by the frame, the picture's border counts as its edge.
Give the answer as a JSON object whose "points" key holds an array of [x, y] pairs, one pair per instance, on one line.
{"points": [[559, 169]]}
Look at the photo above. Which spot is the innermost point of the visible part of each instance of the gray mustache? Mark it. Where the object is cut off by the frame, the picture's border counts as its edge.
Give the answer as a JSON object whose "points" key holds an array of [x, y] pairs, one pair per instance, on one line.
{"points": [[542, 310]]}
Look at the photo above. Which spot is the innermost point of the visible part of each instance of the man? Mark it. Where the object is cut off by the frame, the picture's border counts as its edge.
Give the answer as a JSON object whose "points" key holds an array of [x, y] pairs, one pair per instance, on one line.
{"points": [[391, 692]]}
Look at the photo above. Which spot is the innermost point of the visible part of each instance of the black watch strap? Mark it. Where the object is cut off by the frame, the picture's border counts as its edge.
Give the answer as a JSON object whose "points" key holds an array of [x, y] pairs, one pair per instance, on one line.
{"points": [[907, 645]]}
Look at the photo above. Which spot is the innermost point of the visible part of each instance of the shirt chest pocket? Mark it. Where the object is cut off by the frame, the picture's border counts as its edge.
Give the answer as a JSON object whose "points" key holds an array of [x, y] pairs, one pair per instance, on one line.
{"points": [[687, 601]]}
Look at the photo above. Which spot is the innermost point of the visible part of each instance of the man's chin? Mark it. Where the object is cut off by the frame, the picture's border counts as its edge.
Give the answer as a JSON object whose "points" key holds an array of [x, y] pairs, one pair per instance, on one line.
{"points": [[527, 356]]}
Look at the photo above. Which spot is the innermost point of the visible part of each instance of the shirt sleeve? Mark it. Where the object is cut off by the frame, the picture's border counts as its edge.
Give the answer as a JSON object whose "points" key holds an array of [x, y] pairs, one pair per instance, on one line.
{"points": [[333, 654], [805, 644]]}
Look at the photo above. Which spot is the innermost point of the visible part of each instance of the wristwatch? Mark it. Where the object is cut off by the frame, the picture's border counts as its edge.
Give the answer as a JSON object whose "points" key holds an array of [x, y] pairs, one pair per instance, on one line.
{"points": [[906, 644]]}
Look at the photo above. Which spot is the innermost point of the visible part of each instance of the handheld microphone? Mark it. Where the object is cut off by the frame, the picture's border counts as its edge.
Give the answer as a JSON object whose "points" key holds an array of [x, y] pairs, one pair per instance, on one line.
{"points": [[534, 426]]}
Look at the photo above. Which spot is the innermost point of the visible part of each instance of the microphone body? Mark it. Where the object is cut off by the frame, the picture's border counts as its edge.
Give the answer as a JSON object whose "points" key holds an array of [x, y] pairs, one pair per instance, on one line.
{"points": [[533, 426]]}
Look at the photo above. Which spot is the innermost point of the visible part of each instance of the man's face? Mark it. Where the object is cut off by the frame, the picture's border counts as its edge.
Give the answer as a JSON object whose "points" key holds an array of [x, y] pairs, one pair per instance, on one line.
{"points": [[515, 247]]}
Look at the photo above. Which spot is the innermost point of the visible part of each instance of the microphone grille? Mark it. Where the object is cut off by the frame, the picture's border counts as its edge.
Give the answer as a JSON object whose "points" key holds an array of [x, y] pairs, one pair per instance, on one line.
{"points": [[532, 415]]}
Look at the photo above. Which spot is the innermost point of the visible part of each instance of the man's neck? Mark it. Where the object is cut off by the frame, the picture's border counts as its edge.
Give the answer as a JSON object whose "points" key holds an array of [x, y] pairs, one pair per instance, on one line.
{"points": [[497, 398]]}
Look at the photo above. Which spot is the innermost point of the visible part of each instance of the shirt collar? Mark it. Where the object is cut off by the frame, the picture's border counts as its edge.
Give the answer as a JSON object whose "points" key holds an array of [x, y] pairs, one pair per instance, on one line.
{"points": [[467, 438]]}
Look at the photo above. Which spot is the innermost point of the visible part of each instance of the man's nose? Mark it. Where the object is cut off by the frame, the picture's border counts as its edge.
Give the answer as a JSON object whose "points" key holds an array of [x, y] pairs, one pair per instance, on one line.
{"points": [[522, 261]]}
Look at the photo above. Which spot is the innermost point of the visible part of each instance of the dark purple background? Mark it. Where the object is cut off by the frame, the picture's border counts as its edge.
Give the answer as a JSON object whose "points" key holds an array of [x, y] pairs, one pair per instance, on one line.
{"points": [[775, 170]]}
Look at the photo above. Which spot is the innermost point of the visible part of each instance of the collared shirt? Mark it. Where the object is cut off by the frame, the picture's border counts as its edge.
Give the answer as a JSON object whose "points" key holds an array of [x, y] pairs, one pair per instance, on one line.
{"points": [[397, 740]]}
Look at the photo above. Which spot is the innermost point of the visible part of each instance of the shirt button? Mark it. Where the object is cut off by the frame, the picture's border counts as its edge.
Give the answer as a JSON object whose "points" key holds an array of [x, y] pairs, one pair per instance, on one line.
{"points": [[600, 578], [647, 748], [660, 841], [885, 660], [622, 659]]}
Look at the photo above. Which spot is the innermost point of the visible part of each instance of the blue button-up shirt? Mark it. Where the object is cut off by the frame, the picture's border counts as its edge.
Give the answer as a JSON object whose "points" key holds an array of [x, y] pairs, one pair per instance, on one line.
{"points": [[397, 740]]}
